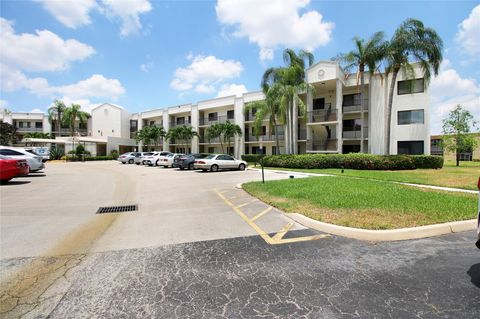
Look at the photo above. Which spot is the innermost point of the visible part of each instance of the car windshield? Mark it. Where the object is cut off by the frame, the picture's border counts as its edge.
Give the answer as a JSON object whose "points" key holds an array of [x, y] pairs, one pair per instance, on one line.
{"points": [[33, 152], [210, 157]]}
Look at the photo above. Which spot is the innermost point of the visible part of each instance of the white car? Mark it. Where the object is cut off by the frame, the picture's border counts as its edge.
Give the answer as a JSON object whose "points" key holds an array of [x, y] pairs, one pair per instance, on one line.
{"points": [[216, 162], [127, 158], [157, 158], [34, 161], [140, 157], [168, 159]]}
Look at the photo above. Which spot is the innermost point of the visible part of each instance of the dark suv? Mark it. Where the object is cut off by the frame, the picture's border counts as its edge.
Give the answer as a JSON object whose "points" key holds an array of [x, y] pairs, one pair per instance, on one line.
{"points": [[186, 161]]}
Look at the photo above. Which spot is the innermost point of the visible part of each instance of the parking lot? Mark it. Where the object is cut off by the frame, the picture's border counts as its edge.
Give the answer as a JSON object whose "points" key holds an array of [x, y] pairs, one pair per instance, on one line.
{"points": [[199, 247]]}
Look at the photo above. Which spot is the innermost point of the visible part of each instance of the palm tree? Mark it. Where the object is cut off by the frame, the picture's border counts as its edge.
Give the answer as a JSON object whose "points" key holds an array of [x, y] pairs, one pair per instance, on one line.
{"points": [[37, 135], [72, 114], [270, 107], [411, 42], [187, 133], [55, 113], [215, 131], [291, 80], [230, 130], [156, 133], [144, 136], [366, 55]]}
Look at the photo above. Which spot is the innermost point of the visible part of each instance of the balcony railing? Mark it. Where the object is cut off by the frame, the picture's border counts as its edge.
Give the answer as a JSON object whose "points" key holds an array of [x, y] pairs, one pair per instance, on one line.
{"points": [[302, 134], [29, 129], [264, 138], [322, 145], [354, 132], [319, 116], [216, 140], [186, 122], [213, 120], [354, 108]]}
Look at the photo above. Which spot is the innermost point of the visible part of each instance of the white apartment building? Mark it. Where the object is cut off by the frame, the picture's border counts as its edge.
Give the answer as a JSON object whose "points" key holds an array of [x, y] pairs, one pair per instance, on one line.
{"points": [[332, 122]]}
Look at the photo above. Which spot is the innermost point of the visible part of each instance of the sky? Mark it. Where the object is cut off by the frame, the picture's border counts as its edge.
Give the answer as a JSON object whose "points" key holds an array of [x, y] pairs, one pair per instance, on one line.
{"points": [[146, 54]]}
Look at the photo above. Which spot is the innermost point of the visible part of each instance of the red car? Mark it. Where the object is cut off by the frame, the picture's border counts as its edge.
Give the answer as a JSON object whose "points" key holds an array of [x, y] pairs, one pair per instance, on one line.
{"points": [[10, 168]]}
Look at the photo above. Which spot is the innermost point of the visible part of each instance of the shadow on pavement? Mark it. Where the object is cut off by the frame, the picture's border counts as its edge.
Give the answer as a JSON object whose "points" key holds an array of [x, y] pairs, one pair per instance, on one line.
{"points": [[474, 273], [13, 183]]}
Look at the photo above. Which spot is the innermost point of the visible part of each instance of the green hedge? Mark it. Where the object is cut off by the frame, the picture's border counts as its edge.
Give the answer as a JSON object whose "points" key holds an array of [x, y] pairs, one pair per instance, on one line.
{"points": [[87, 158], [252, 158], [354, 161]]}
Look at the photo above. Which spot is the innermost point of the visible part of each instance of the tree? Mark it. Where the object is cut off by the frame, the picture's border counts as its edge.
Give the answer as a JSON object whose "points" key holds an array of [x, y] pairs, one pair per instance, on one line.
{"points": [[269, 108], [366, 55], [215, 131], [229, 131], [8, 134], [55, 114], [411, 42], [150, 134], [291, 81], [187, 133], [37, 135], [456, 129], [72, 114]]}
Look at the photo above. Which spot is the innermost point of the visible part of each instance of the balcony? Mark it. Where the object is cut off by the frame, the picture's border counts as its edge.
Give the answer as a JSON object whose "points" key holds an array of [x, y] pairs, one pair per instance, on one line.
{"points": [[216, 140], [354, 132], [319, 116], [325, 145], [264, 138], [355, 107], [67, 131], [180, 123], [302, 134], [213, 120], [29, 129]]}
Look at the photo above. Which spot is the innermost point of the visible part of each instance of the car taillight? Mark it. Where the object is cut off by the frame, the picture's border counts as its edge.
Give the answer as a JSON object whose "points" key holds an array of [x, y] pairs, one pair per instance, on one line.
{"points": [[21, 163], [199, 162], [122, 156], [165, 160]]}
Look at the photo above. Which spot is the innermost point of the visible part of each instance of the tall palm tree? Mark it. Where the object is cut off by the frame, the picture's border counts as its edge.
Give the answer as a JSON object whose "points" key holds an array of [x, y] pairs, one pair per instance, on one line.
{"points": [[215, 131], [187, 133], [156, 133], [411, 42], [291, 80], [36, 135], [270, 107], [55, 114], [365, 55], [230, 130], [144, 136], [72, 114]]}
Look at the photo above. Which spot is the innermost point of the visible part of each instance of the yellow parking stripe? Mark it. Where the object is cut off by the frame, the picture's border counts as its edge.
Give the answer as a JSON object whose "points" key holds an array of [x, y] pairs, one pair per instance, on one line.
{"points": [[247, 203], [261, 214], [282, 232], [300, 239]]}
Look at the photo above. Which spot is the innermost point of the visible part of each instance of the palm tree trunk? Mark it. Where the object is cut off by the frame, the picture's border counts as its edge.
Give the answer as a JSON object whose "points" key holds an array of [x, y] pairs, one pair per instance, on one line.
{"points": [[221, 144], [277, 141], [389, 111], [362, 105]]}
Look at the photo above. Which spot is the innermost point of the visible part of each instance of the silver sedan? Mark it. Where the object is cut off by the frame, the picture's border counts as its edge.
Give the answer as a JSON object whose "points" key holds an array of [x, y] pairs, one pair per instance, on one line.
{"points": [[217, 162]]}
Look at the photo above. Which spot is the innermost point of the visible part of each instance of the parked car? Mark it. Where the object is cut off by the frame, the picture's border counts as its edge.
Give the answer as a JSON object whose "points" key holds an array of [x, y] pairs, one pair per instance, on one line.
{"points": [[11, 168], [187, 161], [167, 160], [43, 152], [34, 162], [127, 158], [478, 218], [216, 162], [156, 159], [140, 157]]}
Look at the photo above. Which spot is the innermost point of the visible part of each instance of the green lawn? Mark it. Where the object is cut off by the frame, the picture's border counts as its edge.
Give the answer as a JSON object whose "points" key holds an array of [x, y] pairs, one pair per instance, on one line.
{"points": [[364, 203], [465, 176]]}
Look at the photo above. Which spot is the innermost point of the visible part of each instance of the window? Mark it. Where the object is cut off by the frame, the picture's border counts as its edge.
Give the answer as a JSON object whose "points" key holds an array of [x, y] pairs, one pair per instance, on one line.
{"points": [[231, 114], [82, 126], [410, 147], [410, 86], [258, 150], [254, 111], [410, 117], [10, 153], [352, 125], [264, 130], [319, 104], [211, 150], [133, 125], [38, 124], [180, 120], [350, 149], [152, 123], [212, 116], [225, 158], [247, 149], [351, 100]]}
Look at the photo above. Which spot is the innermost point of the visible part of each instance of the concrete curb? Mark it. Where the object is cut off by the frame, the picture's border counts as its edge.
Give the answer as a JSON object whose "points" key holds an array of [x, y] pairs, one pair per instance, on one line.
{"points": [[386, 235]]}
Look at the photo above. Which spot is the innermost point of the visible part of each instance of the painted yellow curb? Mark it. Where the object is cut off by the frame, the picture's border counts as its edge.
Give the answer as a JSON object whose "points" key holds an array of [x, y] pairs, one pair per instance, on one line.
{"points": [[386, 235]]}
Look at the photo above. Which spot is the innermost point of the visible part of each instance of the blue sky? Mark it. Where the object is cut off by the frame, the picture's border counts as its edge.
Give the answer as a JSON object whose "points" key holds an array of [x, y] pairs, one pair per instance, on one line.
{"points": [[150, 54]]}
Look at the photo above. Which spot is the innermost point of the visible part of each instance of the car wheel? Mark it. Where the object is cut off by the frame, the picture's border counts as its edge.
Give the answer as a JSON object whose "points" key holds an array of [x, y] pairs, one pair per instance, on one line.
{"points": [[241, 167], [156, 163], [137, 163], [130, 161], [190, 166], [181, 168], [123, 163], [214, 168]]}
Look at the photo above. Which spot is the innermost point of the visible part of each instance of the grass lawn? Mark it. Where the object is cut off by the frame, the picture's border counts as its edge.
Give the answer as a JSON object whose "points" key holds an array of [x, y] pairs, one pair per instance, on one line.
{"points": [[364, 203], [465, 176]]}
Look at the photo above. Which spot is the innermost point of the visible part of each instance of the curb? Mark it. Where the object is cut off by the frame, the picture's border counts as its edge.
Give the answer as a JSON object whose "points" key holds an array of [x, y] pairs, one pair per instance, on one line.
{"points": [[386, 235]]}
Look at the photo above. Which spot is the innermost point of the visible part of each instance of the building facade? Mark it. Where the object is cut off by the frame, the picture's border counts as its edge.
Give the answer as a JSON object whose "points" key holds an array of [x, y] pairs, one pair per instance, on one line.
{"points": [[332, 122]]}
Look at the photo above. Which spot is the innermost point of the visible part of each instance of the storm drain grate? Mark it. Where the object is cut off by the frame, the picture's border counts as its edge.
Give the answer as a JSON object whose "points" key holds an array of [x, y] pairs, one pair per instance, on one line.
{"points": [[117, 209]]}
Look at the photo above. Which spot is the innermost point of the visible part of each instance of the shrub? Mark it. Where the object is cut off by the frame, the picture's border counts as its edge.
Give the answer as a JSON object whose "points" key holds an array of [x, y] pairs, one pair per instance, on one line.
{"points": [[354, 161], [114, 154], [56, 153], [253, 158], [99, 158]]}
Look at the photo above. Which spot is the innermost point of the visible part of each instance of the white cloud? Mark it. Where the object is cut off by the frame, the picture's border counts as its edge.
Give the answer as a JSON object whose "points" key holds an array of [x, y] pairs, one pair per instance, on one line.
{"points": [[232, 89], [76, 13], [275, 23], [36, 111], [468, 35], [72, 14], [86, 104], [204, 73], [128, 12], [42, 51], [146, 67], [449, 89], [3, 104]]}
